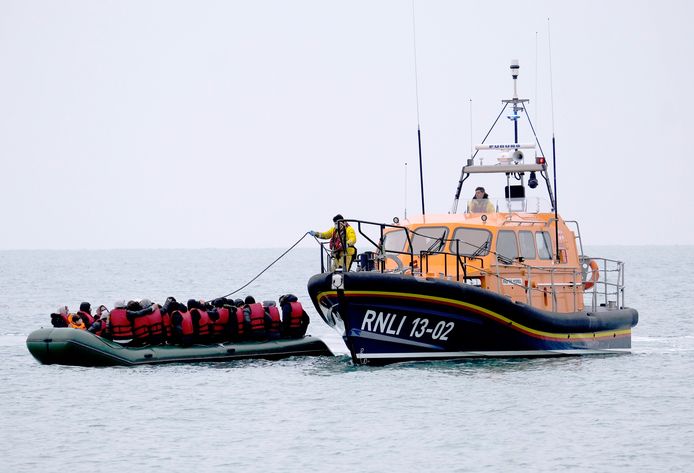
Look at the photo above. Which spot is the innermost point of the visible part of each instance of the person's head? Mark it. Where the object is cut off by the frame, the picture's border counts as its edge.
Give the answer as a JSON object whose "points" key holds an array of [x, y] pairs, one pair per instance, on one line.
{"points": [[480, 193], [193, 304], [249, 300], [133, 305], [62, 310], [337, 217], [145, 303], [86, 307], [120, 304]]}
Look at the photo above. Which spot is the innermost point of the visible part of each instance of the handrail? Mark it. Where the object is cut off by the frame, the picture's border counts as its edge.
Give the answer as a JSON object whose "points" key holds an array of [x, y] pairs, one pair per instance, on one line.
{"points": [[523, 222], [578, 234]]}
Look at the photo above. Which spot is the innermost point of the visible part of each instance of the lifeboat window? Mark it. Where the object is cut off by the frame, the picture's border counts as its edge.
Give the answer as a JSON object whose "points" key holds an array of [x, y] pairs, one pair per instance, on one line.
{"points": [[395, 241], [429, 239], [473, 241], [506, 246], [543, 245], [527, 244]]}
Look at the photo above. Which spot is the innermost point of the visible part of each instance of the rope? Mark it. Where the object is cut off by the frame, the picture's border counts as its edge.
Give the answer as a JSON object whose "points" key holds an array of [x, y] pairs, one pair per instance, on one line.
{"points": [[268, 266]]}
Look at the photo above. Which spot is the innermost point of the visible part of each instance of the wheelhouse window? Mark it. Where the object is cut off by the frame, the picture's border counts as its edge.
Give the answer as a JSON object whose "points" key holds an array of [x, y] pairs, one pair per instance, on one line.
{"points": [[472, 241], [527, 244], [429, 239], [544, 243], [506, 246], [395, 241]]}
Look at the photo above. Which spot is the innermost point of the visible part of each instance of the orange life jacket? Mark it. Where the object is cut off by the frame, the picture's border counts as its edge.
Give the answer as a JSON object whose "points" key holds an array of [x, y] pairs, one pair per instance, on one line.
{"points": [[75, 321]]}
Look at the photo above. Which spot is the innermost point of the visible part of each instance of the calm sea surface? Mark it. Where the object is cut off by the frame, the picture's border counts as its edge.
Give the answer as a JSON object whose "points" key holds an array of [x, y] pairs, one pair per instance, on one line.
{"points": [[625, 413]]}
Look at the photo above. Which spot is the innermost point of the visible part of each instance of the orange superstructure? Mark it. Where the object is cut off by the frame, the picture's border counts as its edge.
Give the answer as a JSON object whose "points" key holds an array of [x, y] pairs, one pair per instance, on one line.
{"points": [[513, 254]]}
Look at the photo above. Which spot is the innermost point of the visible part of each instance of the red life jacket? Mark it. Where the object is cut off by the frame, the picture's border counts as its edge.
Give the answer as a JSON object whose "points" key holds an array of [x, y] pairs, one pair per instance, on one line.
{"points": [[141, 328], [165, 325], [121, 327], [201, 323], [186, 324], [254, 315], [240, 329], [335, 241], [59, 320], [292, 319], [103, 330], [156, 326], [87, 318], [220, 328], [273, 322]]}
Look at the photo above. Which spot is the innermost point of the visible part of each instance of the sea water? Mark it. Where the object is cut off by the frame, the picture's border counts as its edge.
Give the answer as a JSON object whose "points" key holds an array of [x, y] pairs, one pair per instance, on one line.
{"points": [[620, 413]]}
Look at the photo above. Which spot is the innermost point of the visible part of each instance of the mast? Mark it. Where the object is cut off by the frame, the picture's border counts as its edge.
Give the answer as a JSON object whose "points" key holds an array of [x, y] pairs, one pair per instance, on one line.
{"points": [[514, 73], [554, 149], [515, 155], [416, 90]]}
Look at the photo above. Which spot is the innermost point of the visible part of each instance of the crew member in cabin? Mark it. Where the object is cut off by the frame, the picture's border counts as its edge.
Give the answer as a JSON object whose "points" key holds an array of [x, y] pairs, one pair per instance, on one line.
{"points": [[340, 235], [480, 203]]}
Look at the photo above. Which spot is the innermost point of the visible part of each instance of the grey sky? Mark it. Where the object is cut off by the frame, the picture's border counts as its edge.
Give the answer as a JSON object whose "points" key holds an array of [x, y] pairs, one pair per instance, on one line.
{"points": [[165, 124]]}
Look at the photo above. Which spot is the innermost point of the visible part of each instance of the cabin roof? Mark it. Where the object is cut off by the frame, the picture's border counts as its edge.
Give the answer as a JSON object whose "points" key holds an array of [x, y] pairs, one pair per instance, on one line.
{"points": [[495, 219]]}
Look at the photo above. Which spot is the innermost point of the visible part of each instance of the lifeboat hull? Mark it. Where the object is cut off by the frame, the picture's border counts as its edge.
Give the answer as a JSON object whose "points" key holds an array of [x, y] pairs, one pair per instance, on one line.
{"points": [[386, 318], [65, 346]]}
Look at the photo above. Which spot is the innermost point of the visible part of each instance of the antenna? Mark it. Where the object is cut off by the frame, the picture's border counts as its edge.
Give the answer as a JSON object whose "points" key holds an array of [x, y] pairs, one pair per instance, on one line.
{"points": [[416, 90], [554, 148], [472, 147], [405, 190], [537, 99]]}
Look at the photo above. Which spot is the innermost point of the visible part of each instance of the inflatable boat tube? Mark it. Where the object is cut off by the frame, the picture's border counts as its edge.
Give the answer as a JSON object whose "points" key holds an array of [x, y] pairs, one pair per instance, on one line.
{"points": [[66, 346]]}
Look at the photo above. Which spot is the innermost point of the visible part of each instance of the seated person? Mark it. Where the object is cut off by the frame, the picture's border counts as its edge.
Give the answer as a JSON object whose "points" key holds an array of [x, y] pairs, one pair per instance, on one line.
{"points": [[59, 318], [100, 326], [480, 203], [295, 320], [85, 314]]}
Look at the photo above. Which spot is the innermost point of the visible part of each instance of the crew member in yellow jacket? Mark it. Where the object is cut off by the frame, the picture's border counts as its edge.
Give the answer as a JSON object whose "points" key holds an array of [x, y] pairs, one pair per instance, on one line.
{"points": [[341, 235], [480, 203]]}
